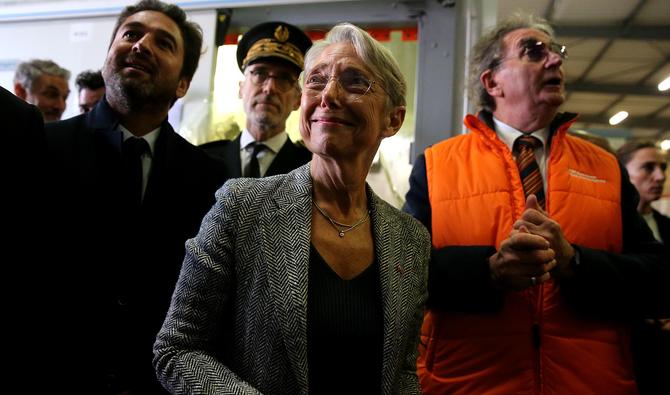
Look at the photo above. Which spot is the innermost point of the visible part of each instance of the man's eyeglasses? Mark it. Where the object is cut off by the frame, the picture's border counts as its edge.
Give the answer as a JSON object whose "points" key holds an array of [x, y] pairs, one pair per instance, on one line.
{"points": [[352, 82], [283, 82], [538, 51]]}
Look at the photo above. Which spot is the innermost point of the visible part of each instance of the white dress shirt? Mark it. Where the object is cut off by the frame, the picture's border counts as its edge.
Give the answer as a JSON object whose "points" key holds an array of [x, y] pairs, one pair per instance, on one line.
{"points": [[266, 156]]}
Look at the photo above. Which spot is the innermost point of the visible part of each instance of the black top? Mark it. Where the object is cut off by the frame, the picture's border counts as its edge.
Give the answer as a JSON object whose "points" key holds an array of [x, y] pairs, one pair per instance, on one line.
{"points": [[344, 330]]}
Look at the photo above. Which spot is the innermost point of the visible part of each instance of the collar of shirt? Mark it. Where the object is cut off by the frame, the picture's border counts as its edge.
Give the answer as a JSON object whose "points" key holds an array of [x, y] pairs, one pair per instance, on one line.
{"points": [[274, 143], [509, 134], [149, 137]]}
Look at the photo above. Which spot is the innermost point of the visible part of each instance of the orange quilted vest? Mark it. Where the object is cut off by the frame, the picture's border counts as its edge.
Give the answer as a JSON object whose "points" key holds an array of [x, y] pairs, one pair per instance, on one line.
{"points": [[476, 195]]}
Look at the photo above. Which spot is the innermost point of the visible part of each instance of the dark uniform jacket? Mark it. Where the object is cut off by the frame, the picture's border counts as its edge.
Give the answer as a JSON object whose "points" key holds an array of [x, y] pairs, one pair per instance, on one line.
{"points": [[119, 267], [290, 157]]}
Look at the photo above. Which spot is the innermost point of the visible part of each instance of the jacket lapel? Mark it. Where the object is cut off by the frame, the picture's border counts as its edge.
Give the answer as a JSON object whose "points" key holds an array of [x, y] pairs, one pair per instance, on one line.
{"points": [[390, 259], [285, 241], [232, 157]]}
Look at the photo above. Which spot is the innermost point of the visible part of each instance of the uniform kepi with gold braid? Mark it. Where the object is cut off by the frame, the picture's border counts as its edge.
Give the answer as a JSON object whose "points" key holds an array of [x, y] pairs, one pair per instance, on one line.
{"points": [[273, 41]]}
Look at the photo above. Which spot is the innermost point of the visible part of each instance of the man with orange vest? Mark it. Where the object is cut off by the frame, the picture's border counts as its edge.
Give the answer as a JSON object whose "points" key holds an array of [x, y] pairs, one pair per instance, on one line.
{"points": [[540, 260]]}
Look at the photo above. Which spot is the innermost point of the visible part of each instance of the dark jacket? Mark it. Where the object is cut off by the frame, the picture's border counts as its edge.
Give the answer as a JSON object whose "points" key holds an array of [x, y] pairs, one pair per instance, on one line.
{"points": [[663, 223], [21, 155], [290, 157], [120, 270], [651, 345]]}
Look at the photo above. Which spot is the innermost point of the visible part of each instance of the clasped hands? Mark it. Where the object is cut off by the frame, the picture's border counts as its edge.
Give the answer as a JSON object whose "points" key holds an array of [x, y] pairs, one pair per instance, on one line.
{"points": [[535, 251]]}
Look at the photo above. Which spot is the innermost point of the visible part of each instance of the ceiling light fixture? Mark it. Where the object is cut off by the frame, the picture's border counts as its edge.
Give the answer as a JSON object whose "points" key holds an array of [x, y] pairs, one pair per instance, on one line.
{"points": [[664, 85], [618, 117], [665, 145]]}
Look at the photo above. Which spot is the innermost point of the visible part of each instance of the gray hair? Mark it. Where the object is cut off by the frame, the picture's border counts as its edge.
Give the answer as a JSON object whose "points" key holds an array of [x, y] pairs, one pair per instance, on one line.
{"points": [[377, 57], [27, 72], [489, 49]]}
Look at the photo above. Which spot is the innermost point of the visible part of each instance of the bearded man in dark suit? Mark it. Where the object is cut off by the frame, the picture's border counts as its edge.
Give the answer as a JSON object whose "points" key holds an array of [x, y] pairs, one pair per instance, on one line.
{"points": [[130, 193]]}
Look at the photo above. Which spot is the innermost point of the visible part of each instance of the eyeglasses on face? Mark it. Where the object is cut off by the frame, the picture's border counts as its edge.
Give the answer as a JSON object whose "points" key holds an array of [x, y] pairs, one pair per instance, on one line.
{"points": [[355, 84], [537, 51], [283, 82]]}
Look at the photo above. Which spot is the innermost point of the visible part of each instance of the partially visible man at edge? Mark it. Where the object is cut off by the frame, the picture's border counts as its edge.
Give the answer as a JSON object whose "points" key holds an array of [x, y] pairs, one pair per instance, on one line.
{"points": [[646, 164], [529, 292], [44, 84], [128, 193], [21, 156], [271, 57]]}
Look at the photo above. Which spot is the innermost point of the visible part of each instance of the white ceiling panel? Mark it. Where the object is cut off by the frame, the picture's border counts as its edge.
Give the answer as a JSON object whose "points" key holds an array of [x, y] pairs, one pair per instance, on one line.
{"points": [[592, 11]]}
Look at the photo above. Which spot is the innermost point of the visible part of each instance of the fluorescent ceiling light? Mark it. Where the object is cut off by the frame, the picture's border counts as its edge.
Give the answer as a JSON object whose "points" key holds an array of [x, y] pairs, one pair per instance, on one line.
{"points": [[664, 85], [618, 117], [665, 145]]}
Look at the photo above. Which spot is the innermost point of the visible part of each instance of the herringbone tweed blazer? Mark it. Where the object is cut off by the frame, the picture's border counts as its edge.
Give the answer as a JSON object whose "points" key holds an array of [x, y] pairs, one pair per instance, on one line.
{"points": [[238, 319]]}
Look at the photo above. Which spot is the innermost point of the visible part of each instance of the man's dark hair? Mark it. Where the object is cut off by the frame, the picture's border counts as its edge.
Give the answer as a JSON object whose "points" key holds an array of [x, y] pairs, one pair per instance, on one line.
{"points": [[190, 31], [90, 79], [625, 152]]}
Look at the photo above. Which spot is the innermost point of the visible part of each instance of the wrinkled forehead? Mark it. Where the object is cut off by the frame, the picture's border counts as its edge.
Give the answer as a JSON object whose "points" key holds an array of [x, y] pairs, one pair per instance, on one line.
{"points": [[155, 21], [52, 81], [516, 38], [337, 57], [274, 65]]}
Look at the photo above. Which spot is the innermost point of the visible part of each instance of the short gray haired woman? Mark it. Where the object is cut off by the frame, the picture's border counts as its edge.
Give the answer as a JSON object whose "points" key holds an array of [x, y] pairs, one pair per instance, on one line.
{"points": [[307, 282]]}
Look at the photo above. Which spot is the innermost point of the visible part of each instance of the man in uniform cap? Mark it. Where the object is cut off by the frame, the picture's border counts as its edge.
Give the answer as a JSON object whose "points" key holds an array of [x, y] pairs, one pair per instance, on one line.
{"points": [[271, 57]]}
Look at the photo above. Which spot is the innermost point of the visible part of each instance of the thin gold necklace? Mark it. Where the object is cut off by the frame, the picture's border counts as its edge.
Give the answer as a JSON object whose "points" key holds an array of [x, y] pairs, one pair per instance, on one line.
{"points": [[336, 225]]}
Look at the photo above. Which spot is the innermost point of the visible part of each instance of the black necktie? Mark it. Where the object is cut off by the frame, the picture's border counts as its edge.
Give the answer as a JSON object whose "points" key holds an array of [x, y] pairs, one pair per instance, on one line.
{"points": [[252, 169], [133, 149]]}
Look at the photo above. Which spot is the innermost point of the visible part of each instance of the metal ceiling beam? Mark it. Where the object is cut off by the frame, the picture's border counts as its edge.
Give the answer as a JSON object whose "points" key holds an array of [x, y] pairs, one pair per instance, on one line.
{"points": [[638, 89], [625, 27], [549, 12], [659, 110], [631, 122], [634, 33], [641, 82]]}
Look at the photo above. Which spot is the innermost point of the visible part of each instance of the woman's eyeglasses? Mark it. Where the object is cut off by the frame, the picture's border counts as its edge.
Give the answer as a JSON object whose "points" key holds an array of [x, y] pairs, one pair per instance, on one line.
{"points": [[283, 82], [352, 82]]}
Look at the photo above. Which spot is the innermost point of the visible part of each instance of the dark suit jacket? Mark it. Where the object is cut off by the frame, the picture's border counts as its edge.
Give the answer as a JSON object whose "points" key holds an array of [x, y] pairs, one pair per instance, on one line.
{"points": [[21, 154], [290, 157], [663, 223], [651, 346], [120, 270]]}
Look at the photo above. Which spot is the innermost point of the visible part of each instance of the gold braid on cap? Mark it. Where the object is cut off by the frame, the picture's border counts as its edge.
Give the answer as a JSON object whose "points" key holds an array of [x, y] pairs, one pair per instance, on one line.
{"points": [[279, 47]]}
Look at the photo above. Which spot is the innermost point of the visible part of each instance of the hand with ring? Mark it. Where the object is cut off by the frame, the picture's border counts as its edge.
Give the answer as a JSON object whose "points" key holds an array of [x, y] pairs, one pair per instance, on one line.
{"points": [[522, 256]]}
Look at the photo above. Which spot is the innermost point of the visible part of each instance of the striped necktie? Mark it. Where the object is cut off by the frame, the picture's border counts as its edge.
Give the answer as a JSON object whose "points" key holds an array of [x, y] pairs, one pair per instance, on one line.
{"points": [[528, 168]]}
